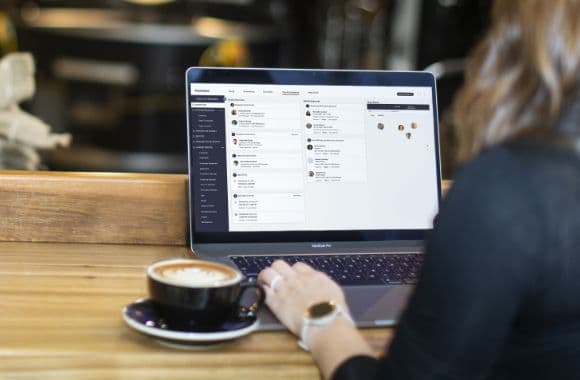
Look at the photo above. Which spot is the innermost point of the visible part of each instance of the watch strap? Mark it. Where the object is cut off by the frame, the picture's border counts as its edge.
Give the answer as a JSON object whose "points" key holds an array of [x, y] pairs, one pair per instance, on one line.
{"points": [[307, 323]]}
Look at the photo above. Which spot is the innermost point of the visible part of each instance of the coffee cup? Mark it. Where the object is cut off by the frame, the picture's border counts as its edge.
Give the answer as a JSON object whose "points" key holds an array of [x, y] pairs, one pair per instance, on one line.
{"points": [[200, 295]]}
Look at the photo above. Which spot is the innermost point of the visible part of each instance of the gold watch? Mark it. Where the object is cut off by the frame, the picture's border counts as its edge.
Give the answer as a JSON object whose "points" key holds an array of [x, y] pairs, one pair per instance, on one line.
{"points": [[319, 315]]}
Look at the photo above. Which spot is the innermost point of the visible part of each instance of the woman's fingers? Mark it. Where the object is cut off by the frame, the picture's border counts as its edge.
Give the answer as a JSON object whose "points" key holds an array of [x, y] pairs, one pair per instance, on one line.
{"points": [[267, 276], [302, 268], [283, 268]]}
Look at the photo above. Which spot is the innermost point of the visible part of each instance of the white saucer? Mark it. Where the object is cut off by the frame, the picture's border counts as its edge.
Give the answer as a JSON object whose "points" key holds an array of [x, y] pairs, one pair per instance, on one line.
{"points": [[142, 316]]}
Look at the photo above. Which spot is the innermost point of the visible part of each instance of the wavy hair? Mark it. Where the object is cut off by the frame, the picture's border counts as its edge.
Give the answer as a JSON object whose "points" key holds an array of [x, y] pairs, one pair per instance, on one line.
{"points": [[521, 75]]}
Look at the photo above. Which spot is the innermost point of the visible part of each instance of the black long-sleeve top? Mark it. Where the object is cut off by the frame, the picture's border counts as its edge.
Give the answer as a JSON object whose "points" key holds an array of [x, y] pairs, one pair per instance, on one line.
{"points": [[499, 293]]}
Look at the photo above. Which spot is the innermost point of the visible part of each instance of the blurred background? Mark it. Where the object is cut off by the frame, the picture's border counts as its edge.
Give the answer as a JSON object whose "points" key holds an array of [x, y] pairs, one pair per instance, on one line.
{"points": [[111, 72]]}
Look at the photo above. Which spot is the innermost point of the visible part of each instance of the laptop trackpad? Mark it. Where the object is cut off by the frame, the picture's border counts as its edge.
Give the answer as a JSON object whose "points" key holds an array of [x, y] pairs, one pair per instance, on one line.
{"points": [[369, 305], [376, 305]]}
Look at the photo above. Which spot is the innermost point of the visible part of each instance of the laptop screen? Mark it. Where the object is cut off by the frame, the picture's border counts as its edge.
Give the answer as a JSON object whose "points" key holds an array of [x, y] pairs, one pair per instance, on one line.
{"points": [[299, 155]]}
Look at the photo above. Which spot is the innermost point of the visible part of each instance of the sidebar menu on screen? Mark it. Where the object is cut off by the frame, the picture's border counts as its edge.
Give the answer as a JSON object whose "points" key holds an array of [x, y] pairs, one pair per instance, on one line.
{"points": [[208, 162]]}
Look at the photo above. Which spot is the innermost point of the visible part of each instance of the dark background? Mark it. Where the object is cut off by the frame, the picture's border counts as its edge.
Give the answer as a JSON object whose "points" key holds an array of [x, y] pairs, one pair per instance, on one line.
{"points": [[136, 121]]}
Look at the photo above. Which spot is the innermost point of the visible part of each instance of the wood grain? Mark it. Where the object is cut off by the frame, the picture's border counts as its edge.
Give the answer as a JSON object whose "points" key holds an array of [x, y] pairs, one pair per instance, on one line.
{"points": [[60, 304], [116, 208], [60, 318], [93, 207]]}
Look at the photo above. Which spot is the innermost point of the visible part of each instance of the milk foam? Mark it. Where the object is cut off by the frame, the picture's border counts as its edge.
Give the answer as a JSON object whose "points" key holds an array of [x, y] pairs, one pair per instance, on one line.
{"points": [[195, 276]]}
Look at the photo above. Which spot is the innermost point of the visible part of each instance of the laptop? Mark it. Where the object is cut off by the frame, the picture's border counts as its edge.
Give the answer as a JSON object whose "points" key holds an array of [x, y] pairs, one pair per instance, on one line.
{"points": [[336, 168]]}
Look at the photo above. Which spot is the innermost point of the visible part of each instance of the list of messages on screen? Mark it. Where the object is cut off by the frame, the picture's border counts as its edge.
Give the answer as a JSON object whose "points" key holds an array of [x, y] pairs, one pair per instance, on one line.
{"points": [[312, 158]]}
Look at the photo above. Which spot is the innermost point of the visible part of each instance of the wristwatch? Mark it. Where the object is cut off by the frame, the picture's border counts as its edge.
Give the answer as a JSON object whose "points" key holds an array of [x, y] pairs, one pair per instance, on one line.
{"points": [[319, 315]]}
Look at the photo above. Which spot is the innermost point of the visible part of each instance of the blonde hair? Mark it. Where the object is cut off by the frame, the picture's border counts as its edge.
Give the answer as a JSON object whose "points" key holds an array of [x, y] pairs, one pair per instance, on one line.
{"points": [[521, 75]]}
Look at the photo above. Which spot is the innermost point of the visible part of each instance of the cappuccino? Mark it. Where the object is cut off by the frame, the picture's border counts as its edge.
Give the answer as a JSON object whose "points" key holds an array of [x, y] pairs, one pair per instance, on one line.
{"points": [[195, 273]]}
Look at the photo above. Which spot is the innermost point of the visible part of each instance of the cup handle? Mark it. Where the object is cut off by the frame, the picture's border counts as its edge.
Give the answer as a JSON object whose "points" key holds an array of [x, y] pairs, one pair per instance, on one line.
{"points": [[250, 311]]}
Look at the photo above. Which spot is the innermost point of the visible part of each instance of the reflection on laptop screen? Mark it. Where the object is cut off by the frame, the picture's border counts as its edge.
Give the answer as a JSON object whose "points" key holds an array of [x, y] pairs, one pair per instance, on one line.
{"points": [[312, 157]]}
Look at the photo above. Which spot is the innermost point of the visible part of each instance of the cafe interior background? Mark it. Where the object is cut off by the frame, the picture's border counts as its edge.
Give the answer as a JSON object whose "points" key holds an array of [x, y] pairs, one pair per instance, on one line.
{"points": [[110, 73]]}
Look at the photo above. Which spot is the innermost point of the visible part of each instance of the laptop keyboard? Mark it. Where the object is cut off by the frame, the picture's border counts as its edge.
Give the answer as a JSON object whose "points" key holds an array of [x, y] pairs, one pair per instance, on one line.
{"points": [[351, 270]]}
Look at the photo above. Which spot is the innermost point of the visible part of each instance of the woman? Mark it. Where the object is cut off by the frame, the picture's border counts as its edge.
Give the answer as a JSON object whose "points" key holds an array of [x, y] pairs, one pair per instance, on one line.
{"points": [[499, 293]]}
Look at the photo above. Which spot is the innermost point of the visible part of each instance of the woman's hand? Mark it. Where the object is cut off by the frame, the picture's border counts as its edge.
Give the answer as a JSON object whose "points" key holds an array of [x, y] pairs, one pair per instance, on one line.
{"points": [[290, 290]]}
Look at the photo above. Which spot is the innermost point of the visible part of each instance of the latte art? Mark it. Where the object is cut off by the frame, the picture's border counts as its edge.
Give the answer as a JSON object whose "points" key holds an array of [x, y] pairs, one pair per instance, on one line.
{"points": [[195, 275]]}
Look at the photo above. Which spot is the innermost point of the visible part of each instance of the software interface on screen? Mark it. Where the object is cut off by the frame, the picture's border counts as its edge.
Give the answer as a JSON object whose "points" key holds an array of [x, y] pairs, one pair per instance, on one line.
{"points": [[312, 158]]}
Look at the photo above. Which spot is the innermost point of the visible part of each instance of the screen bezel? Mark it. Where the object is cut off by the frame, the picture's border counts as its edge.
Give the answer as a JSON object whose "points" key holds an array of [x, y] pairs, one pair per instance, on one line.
{"points": [[307, 77]]}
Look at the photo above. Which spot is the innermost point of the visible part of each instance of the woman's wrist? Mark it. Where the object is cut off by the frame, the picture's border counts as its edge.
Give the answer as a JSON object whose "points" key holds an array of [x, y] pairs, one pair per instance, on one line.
{"points": [[318, 335], [334, 343]]}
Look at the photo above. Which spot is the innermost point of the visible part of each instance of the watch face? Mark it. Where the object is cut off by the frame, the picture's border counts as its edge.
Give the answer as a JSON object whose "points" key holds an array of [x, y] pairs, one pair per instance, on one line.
{"points": [[320, 310]]}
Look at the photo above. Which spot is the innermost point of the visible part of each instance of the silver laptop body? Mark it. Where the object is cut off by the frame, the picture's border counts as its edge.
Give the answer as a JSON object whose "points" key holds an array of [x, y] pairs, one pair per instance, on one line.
{"points": [[313, 162]]}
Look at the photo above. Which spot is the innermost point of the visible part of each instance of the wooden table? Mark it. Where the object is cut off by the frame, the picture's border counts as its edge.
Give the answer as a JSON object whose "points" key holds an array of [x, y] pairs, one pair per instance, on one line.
{"points": [[62, 290], [60, 318]]}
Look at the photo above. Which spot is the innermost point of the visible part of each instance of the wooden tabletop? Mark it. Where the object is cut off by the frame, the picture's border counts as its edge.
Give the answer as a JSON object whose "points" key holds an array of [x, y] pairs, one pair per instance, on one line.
{"points": [[60, 318]]}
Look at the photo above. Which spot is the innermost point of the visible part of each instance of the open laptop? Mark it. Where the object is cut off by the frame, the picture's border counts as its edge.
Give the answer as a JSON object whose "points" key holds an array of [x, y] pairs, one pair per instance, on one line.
{"points": [[339, 169]]}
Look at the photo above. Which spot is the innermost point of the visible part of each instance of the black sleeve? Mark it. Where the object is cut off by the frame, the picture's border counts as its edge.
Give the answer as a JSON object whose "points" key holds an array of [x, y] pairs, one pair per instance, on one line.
{"points": [[476, 271], [476, 276], [357, 367]]}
